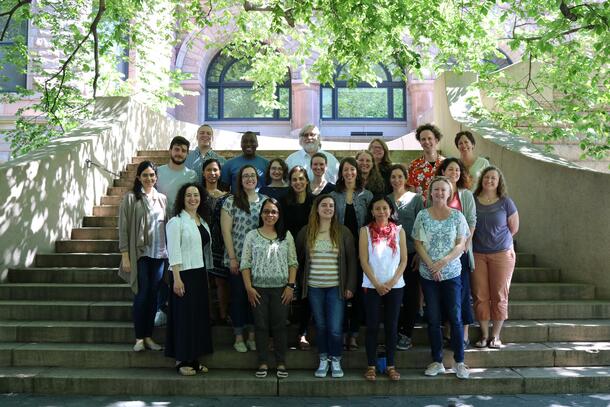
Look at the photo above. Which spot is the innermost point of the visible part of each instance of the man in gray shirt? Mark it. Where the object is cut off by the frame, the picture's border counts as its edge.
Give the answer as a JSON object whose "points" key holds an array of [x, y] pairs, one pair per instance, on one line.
{"points": [[203, 152], [172, 176]]}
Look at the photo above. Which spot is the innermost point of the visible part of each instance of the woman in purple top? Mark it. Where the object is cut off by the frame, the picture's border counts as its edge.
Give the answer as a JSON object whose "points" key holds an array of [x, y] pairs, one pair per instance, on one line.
{"points": [[494, 255]]}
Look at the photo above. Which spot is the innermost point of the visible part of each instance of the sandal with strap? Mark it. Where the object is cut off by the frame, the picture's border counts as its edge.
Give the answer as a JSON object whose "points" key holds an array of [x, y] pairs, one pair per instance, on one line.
{"points": [[185, 369], [495, 343], [199, 368], [370, 374], [481, 343], [261, 373], [392, 373]]}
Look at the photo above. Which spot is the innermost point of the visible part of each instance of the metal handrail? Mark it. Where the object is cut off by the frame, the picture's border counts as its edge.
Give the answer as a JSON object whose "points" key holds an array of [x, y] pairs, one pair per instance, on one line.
{"points": [[101, 167]]}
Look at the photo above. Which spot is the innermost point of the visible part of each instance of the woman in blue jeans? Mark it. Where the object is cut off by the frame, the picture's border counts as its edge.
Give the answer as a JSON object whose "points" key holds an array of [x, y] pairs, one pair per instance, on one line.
{"points": [[142, 245], [327, 258], [383, 257], [439, 233]]}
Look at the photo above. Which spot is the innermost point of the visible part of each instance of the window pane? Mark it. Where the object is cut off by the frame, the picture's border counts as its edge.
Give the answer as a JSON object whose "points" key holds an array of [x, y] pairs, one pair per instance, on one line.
{"points": [[365, 103], [284, 112], [399, 106], [213, 103], [236, 72], [327, 103], [238, 104], [216, 68], [14, 29], [10, 77], [380, 73]]}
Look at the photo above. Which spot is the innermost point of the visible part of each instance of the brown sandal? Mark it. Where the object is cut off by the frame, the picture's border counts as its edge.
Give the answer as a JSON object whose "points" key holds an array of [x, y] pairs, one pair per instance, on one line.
{"points": [[370, 374], [392, 373]]}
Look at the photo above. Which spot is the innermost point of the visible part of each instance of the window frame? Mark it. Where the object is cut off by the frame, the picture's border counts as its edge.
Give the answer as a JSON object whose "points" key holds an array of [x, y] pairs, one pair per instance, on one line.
{"points": [[388, 85], [222, 85]]}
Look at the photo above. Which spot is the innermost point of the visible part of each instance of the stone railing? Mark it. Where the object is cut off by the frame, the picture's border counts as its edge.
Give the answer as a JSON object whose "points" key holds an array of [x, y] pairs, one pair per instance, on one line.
{"points": [[47, 192], [563, 209]]}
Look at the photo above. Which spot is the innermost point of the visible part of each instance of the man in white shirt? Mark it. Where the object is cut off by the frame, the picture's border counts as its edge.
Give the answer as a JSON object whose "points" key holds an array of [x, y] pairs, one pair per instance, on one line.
{"points": [[309, 139], [170, 178]]}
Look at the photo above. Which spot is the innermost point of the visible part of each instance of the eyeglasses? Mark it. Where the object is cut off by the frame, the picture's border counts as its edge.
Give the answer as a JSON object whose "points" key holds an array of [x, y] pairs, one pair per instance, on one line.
{"points": [[306, 135], [248, 176], [270, 212]]}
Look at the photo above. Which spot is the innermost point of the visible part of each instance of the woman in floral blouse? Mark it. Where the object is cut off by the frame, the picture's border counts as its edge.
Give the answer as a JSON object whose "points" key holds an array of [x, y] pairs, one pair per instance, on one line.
{"points": [[269, 267]]}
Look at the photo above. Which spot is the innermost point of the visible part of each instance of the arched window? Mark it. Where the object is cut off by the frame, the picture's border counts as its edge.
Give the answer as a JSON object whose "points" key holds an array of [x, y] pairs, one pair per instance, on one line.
{"points": [[228, 97], [364, 102]]}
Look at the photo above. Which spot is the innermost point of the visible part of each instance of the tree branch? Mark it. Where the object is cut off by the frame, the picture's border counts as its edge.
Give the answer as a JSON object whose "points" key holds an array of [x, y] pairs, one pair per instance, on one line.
{"points": [[10, 14], [62, 70], [561, 34]]}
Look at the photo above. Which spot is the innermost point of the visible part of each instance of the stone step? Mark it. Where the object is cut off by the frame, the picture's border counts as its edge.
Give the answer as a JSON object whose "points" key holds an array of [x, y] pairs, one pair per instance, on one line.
{"points": [[112, 200], [64, 275], [551, 291], [100, 355], [89, 246], [102, 329], [65, 311], [553, 309], [65, 292], [78, 260], [525, 259], [101, 221], [93, 233], [123, 182], [535, 275], [106, 210], [166, 382], [118, 191]]}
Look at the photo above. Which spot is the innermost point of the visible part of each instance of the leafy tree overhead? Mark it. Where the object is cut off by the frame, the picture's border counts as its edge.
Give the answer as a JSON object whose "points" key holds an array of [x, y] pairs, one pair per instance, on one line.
{"points": [[567, 41]]}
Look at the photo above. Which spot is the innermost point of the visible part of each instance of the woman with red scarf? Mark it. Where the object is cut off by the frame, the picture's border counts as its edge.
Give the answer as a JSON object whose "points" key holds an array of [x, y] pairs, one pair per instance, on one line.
{"points": [[383, 256]]}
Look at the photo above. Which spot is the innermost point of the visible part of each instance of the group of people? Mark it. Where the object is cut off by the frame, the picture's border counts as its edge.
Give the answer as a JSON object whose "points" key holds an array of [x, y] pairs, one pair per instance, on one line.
{"points": [[352, 241]]}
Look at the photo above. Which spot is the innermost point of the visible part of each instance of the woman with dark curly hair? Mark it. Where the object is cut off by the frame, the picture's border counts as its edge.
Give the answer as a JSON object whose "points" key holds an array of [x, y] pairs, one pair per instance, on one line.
{"points": [[190, 256]]}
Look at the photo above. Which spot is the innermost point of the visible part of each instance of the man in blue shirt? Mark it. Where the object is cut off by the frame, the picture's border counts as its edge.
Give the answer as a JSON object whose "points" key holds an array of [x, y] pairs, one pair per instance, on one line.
{"points": [[203, 152], [249, 144]]}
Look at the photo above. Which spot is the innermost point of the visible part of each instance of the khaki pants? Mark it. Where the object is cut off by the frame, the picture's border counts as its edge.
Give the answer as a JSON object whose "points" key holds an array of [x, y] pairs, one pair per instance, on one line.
{"points": [[490, 284]]}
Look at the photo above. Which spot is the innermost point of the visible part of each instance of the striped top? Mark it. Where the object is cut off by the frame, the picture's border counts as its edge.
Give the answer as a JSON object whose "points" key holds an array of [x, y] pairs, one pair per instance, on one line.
{"points": [[324, 266]]}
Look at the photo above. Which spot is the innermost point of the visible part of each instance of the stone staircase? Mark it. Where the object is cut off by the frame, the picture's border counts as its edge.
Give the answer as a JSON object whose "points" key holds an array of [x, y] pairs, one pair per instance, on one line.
{"points": [[65, 328]]}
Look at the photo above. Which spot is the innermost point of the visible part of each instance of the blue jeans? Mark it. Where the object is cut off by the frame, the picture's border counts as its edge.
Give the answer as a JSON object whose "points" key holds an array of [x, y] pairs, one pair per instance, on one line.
{"points": [[391, 309], [444, 297], [150, 274], [327, 307], [467, 311], [239, 308], [163, 295]]}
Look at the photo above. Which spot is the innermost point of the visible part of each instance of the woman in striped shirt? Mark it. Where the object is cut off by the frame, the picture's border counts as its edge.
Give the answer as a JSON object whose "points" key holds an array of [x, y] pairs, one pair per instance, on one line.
{"points": [[328, 260]]}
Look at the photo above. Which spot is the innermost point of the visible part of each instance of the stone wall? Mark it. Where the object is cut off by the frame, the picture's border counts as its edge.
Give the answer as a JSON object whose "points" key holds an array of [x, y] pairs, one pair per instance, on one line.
{"points": [[47, 192]]}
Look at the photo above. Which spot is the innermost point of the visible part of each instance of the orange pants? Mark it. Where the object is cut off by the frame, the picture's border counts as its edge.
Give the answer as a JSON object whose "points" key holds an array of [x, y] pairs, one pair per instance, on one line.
{"points": [[490, 283]]}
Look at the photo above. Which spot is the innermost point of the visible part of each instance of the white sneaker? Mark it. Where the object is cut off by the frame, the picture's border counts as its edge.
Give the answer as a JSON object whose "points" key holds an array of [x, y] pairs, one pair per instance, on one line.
{"points": [[335, 367], [461, 370], [323, 368], [434, 368], [139, 346], [160, 318]]}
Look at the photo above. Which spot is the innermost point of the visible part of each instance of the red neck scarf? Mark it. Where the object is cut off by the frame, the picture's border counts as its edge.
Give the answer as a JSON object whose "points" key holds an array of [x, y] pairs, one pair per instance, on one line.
{"points": [[387, 232]]}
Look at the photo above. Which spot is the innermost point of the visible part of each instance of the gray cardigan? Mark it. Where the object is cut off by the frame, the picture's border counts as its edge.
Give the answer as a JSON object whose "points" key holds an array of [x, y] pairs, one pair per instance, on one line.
{"points": [[135, 233], [361, 201], [347, 261]]}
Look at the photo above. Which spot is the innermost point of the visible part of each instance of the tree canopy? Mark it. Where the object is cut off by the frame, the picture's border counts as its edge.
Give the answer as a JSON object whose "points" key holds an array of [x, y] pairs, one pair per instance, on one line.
{"points": [[567, 41]]}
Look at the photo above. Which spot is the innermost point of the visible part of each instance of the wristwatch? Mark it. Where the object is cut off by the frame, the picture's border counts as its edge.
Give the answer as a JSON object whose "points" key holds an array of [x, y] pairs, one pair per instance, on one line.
{"points": [[291, 285]]}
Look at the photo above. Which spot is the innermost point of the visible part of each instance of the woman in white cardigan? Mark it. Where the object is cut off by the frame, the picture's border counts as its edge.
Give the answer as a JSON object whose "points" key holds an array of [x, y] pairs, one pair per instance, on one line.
{"points": [[190, 255]]}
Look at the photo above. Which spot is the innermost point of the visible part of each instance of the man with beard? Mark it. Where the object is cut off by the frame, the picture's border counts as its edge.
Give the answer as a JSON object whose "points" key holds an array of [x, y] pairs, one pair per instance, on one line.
{"points": [[249, 144], [170, 178], [309, 139]]}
